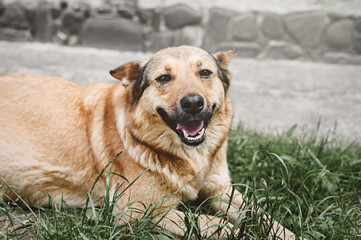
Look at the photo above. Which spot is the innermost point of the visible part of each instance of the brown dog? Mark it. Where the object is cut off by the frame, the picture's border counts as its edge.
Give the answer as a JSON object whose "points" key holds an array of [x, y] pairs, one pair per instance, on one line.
{"points": [[170, 114]]}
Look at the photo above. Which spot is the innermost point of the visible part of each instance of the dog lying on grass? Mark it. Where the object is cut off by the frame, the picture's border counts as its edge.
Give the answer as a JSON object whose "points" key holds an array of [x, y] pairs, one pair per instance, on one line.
{"points": [[170, 114]]}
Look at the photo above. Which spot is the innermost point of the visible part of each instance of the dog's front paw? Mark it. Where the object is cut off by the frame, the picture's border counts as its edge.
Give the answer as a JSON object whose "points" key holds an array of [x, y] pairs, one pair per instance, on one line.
{"points": [[284, 233], [291, 236]]}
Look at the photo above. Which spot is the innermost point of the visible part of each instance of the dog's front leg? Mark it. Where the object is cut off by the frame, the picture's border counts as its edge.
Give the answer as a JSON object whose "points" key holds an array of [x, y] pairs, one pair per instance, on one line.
{"points": [[229, 201], [176, 222]]}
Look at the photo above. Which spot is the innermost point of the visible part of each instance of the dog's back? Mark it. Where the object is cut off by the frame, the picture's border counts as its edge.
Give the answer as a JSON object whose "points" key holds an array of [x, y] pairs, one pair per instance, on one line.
{"points": [[32, 122]]}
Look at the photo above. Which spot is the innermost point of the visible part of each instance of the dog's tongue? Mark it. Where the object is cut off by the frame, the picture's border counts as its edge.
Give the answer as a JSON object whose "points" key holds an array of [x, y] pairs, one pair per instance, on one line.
{"points": [[191, 128]]}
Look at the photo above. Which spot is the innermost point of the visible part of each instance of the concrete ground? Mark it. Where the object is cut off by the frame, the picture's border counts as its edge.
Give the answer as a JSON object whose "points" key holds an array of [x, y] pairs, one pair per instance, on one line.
{"points": [[269, 96]]}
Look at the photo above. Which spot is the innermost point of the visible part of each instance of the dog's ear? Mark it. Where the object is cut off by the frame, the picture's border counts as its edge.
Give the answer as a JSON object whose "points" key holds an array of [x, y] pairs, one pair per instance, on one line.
{"points": [[224, 58], [127, 73], [133, 79]]}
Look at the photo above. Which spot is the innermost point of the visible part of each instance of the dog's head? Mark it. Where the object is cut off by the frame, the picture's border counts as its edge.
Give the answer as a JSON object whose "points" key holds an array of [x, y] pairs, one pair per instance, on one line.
{"points": [[178, 90]]}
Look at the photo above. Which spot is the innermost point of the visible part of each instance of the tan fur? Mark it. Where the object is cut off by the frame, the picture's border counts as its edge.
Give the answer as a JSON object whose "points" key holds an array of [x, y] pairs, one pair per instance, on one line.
{"points": [[56, 136]]}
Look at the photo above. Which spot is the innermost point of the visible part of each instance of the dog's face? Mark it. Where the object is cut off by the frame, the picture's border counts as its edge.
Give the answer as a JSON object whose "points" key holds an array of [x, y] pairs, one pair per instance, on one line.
{"points": [[180, 88]]}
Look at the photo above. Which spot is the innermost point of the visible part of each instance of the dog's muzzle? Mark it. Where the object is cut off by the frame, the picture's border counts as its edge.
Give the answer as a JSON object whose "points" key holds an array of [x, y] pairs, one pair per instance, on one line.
{"points": [[189, 120]]}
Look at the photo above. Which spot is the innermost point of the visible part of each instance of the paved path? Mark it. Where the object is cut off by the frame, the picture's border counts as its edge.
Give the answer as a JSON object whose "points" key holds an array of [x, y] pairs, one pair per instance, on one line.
{"points": [[267, 95]]}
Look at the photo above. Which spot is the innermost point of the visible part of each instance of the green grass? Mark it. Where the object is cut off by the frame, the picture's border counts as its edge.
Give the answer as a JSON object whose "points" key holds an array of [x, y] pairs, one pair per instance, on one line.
{"points": [[315, 178], [309, 183]]}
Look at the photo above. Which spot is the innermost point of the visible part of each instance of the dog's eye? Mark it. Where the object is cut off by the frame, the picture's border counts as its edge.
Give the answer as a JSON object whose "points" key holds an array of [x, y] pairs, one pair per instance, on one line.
{"points": [[205, 73], [164, 78]]}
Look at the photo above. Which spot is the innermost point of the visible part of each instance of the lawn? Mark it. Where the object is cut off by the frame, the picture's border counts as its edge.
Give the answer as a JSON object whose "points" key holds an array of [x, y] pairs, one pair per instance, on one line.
{"points": [[311, 183]]}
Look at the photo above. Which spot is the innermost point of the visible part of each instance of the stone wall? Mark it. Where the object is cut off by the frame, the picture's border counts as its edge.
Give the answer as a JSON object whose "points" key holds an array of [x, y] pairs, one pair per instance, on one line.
{"points": [[131, 25]]}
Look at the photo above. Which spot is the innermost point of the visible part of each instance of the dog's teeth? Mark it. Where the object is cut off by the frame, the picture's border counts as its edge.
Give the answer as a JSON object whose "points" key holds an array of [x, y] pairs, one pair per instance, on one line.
{"points": [[185, 134], [197, 137], [201, 133]]}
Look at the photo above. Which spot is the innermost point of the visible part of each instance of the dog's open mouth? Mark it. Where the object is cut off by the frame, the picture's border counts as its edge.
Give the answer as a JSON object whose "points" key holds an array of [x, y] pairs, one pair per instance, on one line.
{"points": [[191, 133]]}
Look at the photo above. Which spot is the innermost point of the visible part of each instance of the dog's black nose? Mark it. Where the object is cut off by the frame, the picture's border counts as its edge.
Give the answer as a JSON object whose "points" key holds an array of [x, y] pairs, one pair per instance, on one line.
{"points": [[192, 103]]}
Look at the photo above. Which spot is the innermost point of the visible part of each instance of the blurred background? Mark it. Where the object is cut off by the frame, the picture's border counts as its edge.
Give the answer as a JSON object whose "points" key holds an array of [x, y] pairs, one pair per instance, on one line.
{"points": [[298, 62]]}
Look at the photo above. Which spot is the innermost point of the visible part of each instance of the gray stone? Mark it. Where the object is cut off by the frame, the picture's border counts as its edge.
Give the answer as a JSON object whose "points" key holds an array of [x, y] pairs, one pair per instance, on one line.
{"points": [[144, 16], [147, 4], [14, 17], [160, 40], [190, 35], [83, 8], [342, 58], [358, 25], [244, 49], [156, 20], [357, 42], [104, 9], [272, 26], [55, 12], [76, 6], [306, 28], [2, 8], [130, 3], [60, 38], [339, 34], [120, 34], [218, 24], [10, 34], [181, 15], [73, 40], [149, 17], [283, 50], [147, 33], [71, 22], [63, 4], [31, 19], [126, 8], [126, 11], [244, 28], [44, 23]]}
